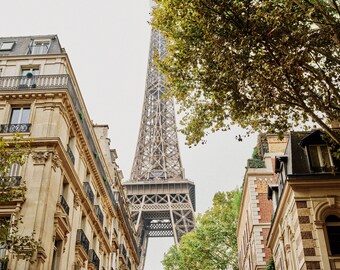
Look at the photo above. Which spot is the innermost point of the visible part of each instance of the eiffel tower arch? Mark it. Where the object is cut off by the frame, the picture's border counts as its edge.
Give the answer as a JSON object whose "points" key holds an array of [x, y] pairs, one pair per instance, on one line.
{"points": [[162, 200]]}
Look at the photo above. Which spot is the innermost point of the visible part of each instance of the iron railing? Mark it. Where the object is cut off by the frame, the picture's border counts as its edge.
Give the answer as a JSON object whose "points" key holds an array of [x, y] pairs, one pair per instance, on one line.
{"points": [[64, 204], [129, 264], [70, 154], [99, 214], [15, 128], [13, 181], [107, 233], [123, 251], [94, 259], [89, 192], [82, 240]]}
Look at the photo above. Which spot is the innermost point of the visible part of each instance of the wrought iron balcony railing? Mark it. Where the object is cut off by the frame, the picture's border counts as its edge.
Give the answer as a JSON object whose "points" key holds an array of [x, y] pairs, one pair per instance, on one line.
{"points": [[70, 154], [82, 240], [64, 204], [129, 264], [15, 128], [123, 251], [99, 214], [89, 192], [107, 233], [94, 259], [13, 181]]}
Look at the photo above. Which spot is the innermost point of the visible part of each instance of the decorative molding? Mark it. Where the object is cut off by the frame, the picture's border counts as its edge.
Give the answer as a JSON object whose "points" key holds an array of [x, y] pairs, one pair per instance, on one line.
{"points": [[76, 200], [40, 157], [56, 161]]}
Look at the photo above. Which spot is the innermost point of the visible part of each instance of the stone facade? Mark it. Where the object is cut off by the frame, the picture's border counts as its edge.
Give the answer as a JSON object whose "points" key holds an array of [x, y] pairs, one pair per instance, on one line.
{"points": [[305, 230], [256, 210], [74, 202]]}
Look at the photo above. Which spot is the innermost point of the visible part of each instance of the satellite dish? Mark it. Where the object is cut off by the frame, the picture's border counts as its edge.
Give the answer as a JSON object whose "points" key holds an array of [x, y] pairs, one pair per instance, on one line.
{"points": [[29, 75]]}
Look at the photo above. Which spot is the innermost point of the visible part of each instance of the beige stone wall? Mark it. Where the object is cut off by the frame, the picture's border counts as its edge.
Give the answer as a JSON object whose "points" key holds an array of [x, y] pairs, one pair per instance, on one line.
{"points": [[299, 230]]}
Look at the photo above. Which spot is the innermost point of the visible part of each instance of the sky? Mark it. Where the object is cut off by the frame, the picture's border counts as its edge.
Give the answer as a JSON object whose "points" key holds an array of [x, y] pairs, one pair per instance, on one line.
{"points": [[107, 42]]}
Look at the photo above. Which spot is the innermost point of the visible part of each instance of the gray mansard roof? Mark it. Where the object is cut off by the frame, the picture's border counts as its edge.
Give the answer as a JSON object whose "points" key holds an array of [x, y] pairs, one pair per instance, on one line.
{"points": [[22, 45]]}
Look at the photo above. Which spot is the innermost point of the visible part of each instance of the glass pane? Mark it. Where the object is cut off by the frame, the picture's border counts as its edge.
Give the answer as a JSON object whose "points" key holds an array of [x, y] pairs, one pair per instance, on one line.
{"points": [[15, 116], [325, 156], [334, 239], [314, 158], [25, 116]]}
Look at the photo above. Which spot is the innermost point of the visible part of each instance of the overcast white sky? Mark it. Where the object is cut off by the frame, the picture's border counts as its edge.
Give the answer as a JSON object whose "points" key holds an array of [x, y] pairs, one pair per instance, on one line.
{"points": [[107, 42]]}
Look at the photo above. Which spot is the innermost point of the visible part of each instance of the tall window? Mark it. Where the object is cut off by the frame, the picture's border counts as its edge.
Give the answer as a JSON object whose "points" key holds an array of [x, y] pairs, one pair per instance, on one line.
{"points": [[333, 233], [320, 158]]}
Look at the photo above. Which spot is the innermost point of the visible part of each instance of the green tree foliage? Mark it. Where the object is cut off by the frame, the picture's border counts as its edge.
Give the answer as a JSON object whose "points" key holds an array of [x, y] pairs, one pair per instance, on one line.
{"points": [[266, 65], [213, 244], [14, 151]]}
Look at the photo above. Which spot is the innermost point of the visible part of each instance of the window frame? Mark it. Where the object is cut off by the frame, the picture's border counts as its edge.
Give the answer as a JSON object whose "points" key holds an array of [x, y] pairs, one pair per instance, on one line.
{"points": [[331, 224], [38, 46], [4, 48], [322, 166]]}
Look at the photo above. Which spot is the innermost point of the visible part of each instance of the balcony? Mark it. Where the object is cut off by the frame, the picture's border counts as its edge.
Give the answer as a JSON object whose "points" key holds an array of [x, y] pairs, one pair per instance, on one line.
{"points": [[82, 248], [89, 192], [15, 128], [99, 214], [70, 154], [107, 233], [37, 82], [64, 204], [82, 240], [10, 181], [94, 261]]}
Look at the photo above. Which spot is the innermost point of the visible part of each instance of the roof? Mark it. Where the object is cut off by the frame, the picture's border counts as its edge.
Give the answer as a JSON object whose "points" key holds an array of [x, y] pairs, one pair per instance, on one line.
{"points": [[23, 44]]}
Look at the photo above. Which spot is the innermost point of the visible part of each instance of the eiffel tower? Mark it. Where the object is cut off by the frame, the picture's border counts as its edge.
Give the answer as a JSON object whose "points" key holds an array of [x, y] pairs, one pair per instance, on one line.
{"points": [[162, 201]]}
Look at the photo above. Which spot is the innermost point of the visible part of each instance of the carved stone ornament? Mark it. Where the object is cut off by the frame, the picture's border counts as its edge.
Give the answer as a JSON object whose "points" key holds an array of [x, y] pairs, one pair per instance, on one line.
{"points": [[76, 200], [40, 157], [56, 161]]}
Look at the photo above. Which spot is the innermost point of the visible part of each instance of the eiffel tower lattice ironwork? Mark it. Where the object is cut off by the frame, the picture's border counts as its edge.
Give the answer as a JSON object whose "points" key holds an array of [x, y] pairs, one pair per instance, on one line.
{"points": [[162, 201]]}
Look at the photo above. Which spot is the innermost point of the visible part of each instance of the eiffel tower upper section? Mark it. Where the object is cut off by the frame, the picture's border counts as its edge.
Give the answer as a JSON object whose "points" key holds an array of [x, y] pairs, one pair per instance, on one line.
{"points": [[157, 154]]}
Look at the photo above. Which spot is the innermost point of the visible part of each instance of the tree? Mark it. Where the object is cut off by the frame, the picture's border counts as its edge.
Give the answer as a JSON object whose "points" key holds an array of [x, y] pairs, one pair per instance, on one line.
{"points": [[268, 65], [213, 244], [13, 152]]}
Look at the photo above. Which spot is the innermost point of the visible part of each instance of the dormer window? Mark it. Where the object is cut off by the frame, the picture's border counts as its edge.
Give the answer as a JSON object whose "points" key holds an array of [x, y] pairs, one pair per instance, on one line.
{"points": [[320, 158], [7, 46], [39, 47]]}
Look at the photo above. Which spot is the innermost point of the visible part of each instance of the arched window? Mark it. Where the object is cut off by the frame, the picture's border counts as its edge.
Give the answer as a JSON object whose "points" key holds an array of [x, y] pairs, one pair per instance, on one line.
{"points": [[333, 233]]}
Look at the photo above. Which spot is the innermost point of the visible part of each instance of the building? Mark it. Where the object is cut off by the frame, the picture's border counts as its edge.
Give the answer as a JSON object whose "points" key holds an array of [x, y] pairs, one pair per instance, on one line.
{"points": [[74, 201], [305, 230], [256, 211]]}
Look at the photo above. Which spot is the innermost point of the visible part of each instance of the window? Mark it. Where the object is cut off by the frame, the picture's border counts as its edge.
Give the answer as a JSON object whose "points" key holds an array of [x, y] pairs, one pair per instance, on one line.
{"points": [[19, 116], [7, 46], [320, 158], [18, 121], [39, 47], [333, 233], [27, 71]]}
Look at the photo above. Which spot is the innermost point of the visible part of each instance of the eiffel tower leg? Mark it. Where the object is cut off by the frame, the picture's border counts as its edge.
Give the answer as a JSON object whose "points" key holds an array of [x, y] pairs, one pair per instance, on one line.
{"points": [[143, 248], [174, 229]]}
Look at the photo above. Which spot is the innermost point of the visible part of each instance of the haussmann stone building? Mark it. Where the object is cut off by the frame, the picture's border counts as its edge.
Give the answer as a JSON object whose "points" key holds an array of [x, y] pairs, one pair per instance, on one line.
{"points": [[74, 201]]}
